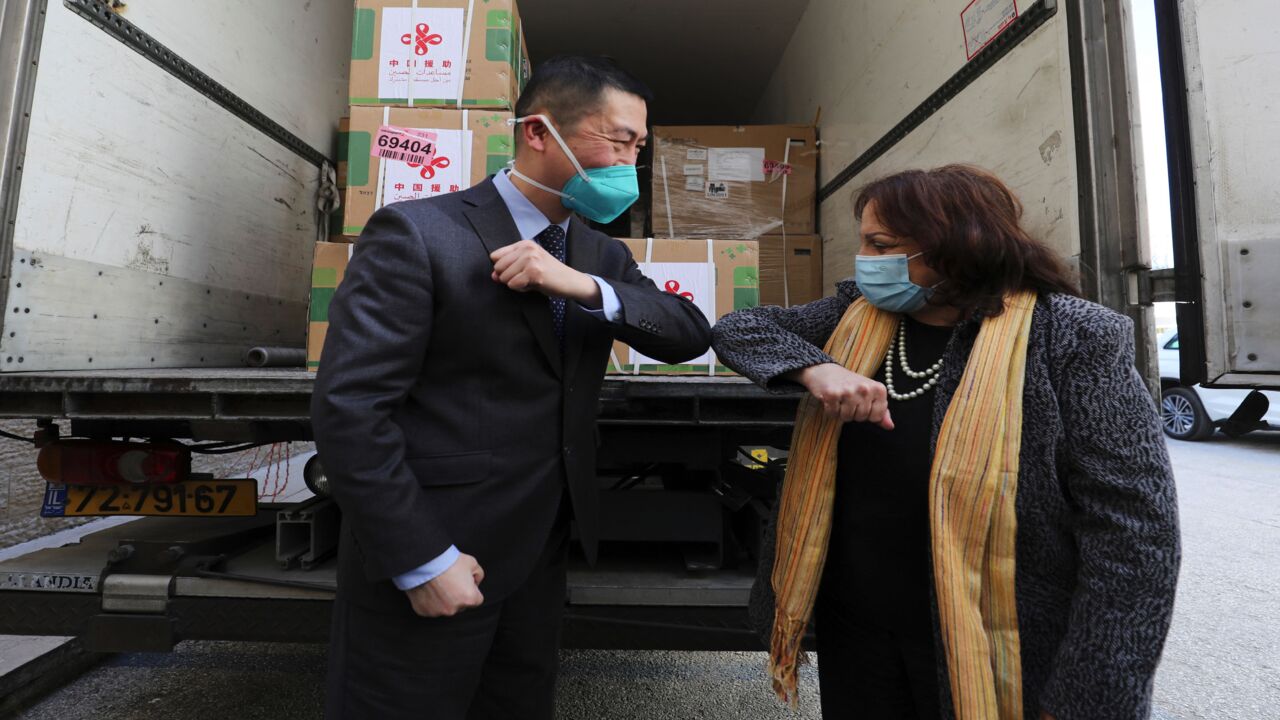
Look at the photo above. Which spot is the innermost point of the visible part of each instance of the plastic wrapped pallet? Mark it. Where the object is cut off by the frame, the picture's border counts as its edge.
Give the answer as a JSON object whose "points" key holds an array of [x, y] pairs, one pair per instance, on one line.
{"points": [[745, 181], [718, 276]]}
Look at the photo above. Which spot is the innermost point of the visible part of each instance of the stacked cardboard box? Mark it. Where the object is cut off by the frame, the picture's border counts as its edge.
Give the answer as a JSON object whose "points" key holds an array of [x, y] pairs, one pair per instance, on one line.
{"points": [[447, 71], [790, 269], [739, 181], [432, 86], [719, 276], [432, 53], [327, 269], [470, 145], [752, 182]]}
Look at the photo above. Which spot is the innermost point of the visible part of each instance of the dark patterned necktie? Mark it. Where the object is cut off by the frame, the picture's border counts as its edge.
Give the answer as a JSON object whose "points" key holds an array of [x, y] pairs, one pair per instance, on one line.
{"points": [[552, 240]]}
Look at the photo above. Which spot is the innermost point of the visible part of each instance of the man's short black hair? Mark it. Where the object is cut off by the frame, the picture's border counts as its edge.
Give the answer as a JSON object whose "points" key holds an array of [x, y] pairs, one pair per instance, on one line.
{"points": [[571, 87]]}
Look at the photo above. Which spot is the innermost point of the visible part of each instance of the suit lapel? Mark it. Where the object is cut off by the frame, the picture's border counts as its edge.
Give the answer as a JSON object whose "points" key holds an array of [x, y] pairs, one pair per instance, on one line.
{"points": [[492, 222], [583, 256]]}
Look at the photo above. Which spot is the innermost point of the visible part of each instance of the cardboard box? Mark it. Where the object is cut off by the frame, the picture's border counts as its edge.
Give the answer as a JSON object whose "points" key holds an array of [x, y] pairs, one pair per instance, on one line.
{"points": [[344, 137], [343, 148], [415, 57], [471, 145], [731, 181], [327, 269], [800, 280], [719, 276]]}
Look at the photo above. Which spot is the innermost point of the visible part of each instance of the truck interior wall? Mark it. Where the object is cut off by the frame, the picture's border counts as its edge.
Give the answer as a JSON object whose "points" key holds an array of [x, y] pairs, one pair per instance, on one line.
{"points": [[154, 228], [1233, 93], [867, 65], [287, 59]]}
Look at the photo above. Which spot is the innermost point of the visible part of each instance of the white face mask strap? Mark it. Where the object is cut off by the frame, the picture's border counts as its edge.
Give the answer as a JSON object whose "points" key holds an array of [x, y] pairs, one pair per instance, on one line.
{"points": [[555, 134], [533, 182]]}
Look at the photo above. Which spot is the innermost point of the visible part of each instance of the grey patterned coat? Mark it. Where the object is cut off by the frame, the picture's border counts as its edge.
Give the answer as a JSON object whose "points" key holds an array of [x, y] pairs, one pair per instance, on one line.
{"points": [[1097, 545]]}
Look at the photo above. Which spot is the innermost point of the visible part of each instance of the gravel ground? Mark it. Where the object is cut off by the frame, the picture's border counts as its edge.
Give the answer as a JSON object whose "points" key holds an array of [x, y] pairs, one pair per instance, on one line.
{"points": [[281, 682]]}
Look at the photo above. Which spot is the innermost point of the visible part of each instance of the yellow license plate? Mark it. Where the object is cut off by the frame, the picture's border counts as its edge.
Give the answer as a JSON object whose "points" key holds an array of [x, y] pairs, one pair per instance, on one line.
{"points": [[192, 498]]}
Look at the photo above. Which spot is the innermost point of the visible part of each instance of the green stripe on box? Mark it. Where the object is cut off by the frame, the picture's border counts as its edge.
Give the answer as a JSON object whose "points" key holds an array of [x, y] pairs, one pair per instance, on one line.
{"points": [[745, 298], [497, 45], [498, 19], [320, 299], [746, 276], [313, 364], [359, 144], [344, 144], [352, 229], [495, 163], [362, 35], [323, 277]]}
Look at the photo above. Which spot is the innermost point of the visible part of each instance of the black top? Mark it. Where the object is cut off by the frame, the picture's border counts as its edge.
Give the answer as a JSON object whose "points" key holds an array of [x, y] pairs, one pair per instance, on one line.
{"points": [[879, 565]]}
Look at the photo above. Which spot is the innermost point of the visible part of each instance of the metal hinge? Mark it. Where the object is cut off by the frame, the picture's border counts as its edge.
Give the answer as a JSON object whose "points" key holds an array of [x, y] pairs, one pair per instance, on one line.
{"points": [[1146, 286]]}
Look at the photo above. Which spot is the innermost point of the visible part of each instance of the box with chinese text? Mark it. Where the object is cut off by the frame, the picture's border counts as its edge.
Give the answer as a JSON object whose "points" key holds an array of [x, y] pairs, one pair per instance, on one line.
{"points": [[437, 53], [396, 154], [718, 276]]}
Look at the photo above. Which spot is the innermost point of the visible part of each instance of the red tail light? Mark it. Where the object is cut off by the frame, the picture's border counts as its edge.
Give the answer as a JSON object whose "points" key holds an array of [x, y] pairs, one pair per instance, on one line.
{"points": [[96, 462]]}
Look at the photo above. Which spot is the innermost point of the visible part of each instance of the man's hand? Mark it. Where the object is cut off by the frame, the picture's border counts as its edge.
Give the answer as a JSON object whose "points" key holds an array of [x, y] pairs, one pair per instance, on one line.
{"points": [[451, 592], [846, 395], [526, 266]]}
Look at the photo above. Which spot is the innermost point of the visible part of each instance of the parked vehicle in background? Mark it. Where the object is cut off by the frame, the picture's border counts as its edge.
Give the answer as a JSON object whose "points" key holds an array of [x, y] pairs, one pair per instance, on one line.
{"points": [[1193, 412]]}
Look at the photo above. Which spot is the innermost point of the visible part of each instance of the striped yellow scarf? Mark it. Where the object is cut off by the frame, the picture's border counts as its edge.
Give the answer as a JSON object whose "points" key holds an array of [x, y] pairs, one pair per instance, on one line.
{"points": [[972, 488]]}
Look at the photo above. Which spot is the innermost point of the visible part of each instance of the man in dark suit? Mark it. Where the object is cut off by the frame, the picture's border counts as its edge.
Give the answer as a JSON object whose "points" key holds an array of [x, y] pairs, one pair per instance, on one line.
{"points": [[454, 409]]}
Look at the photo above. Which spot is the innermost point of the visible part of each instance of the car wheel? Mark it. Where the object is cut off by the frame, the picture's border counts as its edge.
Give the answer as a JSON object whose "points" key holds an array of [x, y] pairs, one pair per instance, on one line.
{"points": [[1183, 416]]}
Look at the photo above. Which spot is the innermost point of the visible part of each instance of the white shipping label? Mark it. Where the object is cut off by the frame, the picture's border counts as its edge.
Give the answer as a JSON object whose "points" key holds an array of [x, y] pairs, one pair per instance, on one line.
{"points": [[983, 20], [411, 181], [696, 154], [694, 169], [423, 46], [694, 184], [717, 191], [735, 165], [694, 281]]}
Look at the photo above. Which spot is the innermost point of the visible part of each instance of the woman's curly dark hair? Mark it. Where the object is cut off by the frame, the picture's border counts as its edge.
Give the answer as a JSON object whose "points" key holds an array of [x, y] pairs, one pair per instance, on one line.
{"points": [[966, 221]]}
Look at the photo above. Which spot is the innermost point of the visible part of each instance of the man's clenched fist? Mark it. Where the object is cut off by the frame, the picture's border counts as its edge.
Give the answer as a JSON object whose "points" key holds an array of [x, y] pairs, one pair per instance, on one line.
{"points": [[526, 266], [451, 592]]}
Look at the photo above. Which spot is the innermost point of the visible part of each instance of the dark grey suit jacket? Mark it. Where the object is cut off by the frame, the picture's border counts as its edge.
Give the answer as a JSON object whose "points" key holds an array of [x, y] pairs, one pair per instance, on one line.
{"points": [[444, 410]]}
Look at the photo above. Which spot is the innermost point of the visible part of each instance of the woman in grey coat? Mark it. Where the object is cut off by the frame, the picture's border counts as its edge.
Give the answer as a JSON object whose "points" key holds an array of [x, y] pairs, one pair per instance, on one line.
{"points": [[1097, 546]]}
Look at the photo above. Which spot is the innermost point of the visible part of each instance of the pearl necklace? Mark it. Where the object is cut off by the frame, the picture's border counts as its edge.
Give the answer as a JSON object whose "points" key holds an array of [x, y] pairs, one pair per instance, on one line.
{"points": [[930, 375]]}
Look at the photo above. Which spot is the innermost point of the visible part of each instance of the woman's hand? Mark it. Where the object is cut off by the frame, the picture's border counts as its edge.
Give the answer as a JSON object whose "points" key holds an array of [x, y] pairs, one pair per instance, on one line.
{"points": [[847, 395]]}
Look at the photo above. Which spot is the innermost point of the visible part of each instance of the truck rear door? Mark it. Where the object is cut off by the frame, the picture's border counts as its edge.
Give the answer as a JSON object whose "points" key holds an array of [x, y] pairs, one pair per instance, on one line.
{"points": [[1222, 97]]}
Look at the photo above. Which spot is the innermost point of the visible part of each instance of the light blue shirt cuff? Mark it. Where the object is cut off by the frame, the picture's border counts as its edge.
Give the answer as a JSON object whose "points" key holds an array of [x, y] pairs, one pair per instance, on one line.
{"points": [[610, 306], [428, 572]]}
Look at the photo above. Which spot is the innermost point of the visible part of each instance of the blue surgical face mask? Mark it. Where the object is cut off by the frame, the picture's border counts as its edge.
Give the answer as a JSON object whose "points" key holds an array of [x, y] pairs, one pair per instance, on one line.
{"points": [[886, 283], [600, 194]]}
